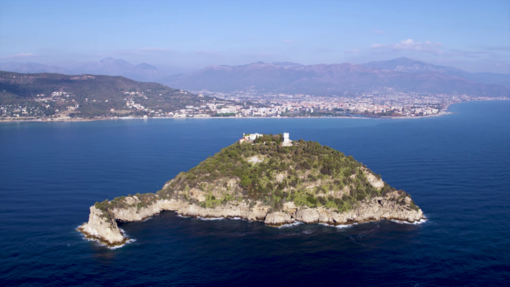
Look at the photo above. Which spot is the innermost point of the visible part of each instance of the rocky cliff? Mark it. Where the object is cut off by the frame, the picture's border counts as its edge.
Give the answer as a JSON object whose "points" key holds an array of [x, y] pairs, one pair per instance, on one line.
{"points": [[104, 227], [306, 182]]}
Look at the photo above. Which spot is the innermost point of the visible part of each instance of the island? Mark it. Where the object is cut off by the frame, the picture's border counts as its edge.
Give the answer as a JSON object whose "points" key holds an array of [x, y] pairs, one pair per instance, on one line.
{"points": [[267, 178]]}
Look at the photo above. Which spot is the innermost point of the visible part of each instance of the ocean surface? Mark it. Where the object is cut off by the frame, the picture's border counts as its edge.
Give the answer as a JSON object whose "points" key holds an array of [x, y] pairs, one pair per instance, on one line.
{"points": [[456, 168]]}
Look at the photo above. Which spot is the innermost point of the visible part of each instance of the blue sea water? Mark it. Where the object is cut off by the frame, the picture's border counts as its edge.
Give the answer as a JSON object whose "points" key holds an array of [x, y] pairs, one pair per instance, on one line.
{"points": [[456, 167]]}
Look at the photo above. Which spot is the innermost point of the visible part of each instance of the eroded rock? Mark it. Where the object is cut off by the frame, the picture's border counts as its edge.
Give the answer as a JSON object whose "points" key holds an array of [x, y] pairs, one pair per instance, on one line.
{"points": [[278, 219], [308, 215]]}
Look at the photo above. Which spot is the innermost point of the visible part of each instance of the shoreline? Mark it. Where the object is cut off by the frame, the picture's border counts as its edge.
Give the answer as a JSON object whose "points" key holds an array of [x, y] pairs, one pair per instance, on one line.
{"points": [[206, 214], [212, 118], [444, 112], [104, 227], [126, 240], [360, 117]]}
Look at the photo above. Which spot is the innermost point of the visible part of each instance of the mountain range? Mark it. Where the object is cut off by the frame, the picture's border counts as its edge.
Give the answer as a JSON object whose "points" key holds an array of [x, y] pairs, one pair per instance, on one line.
{"points": [[401, 74], [414, 66]]}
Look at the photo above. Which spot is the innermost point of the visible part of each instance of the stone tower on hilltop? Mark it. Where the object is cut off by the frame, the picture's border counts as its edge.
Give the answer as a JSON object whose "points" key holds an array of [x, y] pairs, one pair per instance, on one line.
{"points": [[286, 140]]}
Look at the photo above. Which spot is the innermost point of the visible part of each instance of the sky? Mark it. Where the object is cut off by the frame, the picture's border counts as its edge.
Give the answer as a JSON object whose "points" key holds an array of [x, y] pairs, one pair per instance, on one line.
{"points": [[471, 35]]}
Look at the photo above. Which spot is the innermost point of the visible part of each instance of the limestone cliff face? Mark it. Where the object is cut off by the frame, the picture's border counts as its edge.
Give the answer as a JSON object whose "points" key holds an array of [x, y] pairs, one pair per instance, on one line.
{"points": [[106, 230], [256, 213], [367, 211], [308, 215], [278, 219], [100, 228], [375, 209], [133, 213]]}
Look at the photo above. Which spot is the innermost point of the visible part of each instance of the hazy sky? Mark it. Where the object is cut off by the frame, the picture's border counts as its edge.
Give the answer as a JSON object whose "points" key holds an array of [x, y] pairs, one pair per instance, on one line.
{"points": [[473, 35]]}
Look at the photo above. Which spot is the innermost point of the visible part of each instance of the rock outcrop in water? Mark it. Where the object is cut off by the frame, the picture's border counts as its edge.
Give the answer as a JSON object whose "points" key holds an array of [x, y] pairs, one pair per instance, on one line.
{"points": [[306, 182]]}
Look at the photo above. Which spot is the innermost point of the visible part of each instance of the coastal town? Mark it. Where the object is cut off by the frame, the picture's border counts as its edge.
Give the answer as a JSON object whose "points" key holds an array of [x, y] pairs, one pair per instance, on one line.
{"points": [[285, 105], [63, 106], [370, 105], [60, 97]]}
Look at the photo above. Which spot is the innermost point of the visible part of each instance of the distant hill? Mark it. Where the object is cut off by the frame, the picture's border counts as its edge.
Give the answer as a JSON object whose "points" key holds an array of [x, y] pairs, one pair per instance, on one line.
{"points": [[32, 68], [93, 95], [413, 66], [107, 66], [410, 66], [119, 67], [400, 75]]}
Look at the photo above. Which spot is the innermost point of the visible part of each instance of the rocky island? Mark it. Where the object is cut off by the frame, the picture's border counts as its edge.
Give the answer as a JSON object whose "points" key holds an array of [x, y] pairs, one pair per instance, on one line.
{"points": [[265, 178]]}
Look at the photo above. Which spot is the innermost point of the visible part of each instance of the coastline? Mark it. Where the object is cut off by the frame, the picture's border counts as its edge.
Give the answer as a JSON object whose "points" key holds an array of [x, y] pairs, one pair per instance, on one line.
{"points": [[443, 112], [360, 117], [107, 232], [212, 118]]}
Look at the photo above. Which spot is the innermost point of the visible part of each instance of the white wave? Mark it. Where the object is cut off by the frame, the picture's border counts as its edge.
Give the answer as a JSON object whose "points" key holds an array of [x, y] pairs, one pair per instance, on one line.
{"points": [[210, 218], [178, 215], [119, 246], [345, 225], [421, 221], [104, 245], [295, 223], [147, 219], [236, 218], [338, 226]]}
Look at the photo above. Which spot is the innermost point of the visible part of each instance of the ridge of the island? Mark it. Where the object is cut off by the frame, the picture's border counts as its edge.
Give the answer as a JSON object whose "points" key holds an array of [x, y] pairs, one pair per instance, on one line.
{"points": [[265, 178]]}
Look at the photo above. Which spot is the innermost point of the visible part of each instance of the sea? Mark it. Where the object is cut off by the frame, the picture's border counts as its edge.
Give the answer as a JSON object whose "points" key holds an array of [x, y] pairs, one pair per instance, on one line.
{"points": [[455, 167]]}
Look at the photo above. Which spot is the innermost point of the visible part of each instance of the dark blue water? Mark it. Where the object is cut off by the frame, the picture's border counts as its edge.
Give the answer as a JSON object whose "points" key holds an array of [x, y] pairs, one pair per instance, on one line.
{"points": [[456, 167]]}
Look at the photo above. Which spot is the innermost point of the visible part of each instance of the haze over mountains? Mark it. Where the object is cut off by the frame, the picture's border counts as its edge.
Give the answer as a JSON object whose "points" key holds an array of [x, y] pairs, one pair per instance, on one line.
{"points": [[401, 74], [107, 66], [335, 79], [414, 66]]}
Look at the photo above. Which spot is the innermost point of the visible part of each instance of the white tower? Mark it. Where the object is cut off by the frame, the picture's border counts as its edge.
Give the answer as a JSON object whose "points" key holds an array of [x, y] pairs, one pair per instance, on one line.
{"points": [[286, 138]]}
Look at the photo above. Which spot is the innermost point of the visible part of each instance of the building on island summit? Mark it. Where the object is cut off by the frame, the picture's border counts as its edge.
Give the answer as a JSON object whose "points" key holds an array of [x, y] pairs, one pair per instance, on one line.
{"points": [[249, 138], [254, 136], [286, 140]]}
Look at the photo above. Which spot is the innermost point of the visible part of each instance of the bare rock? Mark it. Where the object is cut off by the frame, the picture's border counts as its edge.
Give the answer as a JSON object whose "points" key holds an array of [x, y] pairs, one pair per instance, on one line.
{"points": [[278, 219], [309, 215], [289, 207], [101, 228], [374, 181]]}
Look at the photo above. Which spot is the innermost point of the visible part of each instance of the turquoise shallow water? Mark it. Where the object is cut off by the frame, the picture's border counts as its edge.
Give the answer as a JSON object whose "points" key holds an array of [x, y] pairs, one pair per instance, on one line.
{"points": [[456, 167]]}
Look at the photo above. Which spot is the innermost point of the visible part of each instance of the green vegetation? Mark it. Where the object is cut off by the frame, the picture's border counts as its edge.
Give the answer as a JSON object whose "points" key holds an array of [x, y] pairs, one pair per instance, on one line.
{"points": [[306, 173], [94, 94], [105, 207]]}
